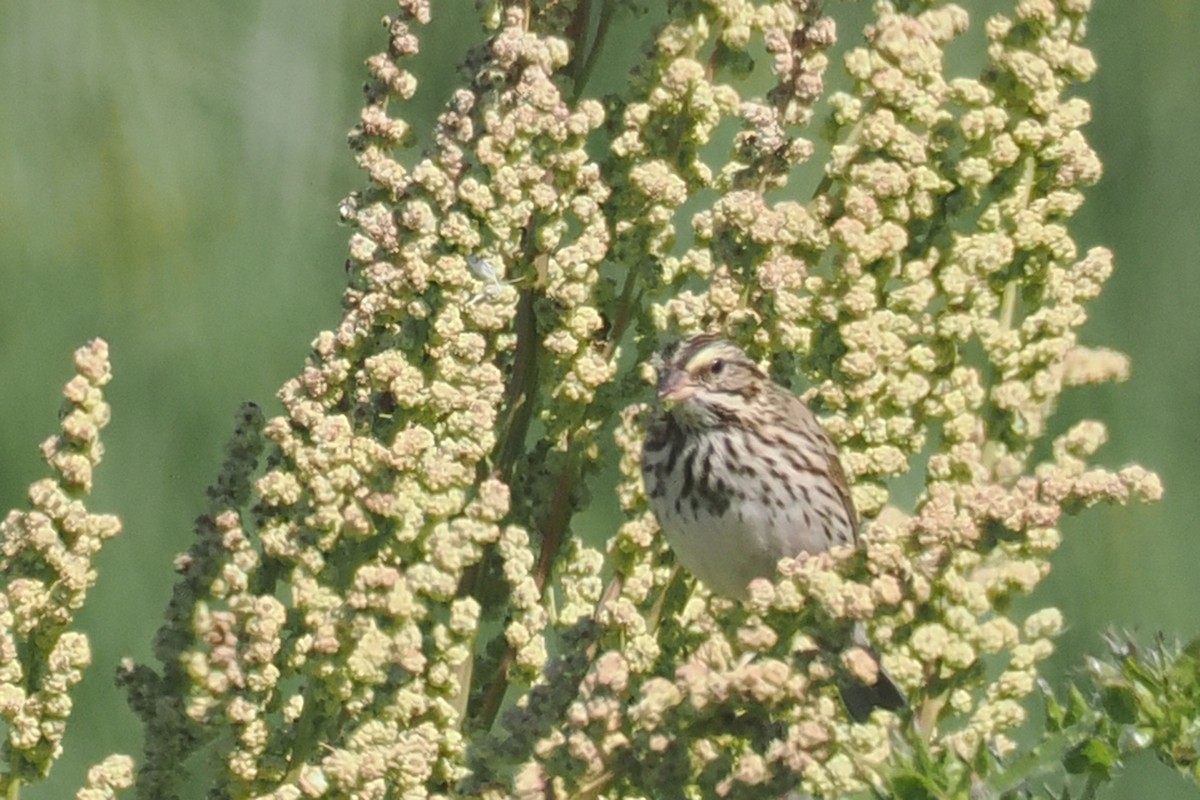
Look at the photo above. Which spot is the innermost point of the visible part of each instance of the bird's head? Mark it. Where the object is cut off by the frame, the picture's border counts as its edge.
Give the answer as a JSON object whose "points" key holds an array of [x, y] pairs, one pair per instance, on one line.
{"points": [[706, 381]]}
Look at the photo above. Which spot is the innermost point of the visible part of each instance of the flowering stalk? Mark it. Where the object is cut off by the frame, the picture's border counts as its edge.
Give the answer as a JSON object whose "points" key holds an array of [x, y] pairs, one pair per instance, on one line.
{"points": [[400, 602], [46, 562]]}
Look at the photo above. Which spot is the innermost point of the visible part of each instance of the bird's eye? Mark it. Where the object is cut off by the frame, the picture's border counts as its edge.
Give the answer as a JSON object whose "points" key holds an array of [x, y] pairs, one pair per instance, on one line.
{"points": [[716, 366]]}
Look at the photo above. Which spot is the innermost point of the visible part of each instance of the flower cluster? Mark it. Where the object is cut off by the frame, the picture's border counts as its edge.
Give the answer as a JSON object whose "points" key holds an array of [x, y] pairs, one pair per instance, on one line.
{"points": [[936, 347], [47, 560], [400, 603]]}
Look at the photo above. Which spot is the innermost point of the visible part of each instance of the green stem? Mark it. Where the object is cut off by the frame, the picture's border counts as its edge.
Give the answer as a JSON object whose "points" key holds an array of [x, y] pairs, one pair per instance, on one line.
{"points": [[624, 313], [552, 534], [556, 522], [1046, 757], [495, 693], [584, 73], [1008, 306], [851, 140], [518, 399], [520, 389]]}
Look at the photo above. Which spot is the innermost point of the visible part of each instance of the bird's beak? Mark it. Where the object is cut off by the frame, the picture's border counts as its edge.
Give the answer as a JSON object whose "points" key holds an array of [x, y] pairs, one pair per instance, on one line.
{"points": [[675, 386]]}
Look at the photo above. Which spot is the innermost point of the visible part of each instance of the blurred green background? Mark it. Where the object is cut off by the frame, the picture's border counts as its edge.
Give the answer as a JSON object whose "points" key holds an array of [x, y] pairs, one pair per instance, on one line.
{"points": [[169, 175]]}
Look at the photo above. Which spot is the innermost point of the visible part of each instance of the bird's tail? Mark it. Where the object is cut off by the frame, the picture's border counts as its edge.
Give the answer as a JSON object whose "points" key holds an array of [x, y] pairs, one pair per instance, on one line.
{"points": [[861, 698]]}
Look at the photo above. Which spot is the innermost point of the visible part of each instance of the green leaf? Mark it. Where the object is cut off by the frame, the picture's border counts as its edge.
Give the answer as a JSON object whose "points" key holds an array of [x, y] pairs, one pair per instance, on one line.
{"points": [[1056, 712], [1192, 648], [737, 63], [1095, 758], [912, 786], [1120, 703], [1077, 704]]}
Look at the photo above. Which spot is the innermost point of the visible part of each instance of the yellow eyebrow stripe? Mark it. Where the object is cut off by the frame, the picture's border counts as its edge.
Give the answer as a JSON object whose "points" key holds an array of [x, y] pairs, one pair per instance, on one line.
{"points": [[706, 354]]}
